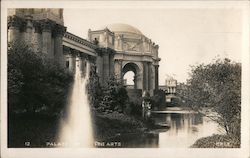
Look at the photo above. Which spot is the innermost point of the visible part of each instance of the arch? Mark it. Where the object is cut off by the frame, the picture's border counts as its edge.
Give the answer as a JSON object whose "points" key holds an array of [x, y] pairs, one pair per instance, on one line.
{"points": [[134, 68]]}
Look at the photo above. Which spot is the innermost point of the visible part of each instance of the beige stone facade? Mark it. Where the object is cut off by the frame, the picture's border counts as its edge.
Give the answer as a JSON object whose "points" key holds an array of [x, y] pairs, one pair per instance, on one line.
{"points": [[133, 52], [113, 50], [43, 29]]}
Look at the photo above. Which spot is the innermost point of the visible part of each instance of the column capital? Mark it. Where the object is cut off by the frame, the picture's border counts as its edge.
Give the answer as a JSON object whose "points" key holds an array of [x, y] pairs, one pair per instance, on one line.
{"points": [[119, 61], [59, 30], [47, 25], [37, 26], [75, 52], [14, 21], [66, 49]]}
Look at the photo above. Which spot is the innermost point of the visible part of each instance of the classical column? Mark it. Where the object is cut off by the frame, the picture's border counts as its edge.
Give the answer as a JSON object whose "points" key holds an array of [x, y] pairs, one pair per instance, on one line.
{"points": [[145, 76], [28, 29], [135, 81], [111, 63], [149, 76], [118, 69], [85, 62], [13, 28], [99, 66], [46, 39], [156, 77], [150, 79], [37, 39], [152, 76], [58, 46], [105, 66], [72, 61], [139, 80]]}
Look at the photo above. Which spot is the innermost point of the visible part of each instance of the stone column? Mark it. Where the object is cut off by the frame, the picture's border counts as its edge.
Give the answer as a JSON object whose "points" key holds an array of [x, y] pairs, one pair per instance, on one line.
{"points": [[111, 63], [118, 69], [84, 67], [46, 39], [156, 77], [150, 79], [37, 39], [58, 46], [28, 30], [139, 80], [152, 76], [135, 81], [72, 61], [145, 76], [99, 65], [105, 66], [13, 29]]}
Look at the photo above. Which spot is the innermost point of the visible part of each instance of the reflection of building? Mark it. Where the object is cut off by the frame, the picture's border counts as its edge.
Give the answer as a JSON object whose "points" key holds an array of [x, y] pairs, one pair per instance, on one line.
{"points": [[113, 50]]}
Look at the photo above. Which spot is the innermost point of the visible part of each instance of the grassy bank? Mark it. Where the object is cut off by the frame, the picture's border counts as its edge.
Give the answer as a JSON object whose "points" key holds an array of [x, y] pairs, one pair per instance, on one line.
{"points": [[216, 141], [112, 124]]}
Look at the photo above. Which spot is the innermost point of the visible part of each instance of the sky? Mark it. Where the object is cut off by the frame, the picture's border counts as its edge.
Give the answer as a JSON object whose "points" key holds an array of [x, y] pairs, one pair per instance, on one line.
{"points": [[185, 36]]}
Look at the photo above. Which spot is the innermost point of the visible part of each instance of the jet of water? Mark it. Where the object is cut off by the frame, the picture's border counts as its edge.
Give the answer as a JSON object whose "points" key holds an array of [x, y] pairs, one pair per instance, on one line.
{"points": [[76, 129]]}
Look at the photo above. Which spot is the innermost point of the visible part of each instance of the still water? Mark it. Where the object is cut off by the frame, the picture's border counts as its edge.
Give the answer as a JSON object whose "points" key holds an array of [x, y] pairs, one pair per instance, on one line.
{"points": [[185, 129]]}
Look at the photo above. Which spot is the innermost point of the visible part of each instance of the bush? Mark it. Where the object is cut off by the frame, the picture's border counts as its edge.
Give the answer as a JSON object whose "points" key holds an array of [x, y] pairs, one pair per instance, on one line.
{"points": [[36, 84], [216, 141], [109, 98], [158, 100]]}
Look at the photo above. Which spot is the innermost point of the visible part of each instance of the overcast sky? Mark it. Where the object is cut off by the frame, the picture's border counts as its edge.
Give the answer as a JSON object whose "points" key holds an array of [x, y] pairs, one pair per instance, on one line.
{"points": [[185, 36]]}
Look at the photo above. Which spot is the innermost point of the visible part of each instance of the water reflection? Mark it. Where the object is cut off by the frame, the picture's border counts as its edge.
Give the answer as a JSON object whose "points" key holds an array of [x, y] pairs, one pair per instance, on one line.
{"points": [[185, 129]]}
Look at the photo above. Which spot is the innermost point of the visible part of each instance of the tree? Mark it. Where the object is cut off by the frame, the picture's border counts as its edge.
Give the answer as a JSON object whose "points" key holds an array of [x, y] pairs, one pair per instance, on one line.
{"points": [[95, 91], [217, 88], [158, 99], [108, 98], [36, 84]]}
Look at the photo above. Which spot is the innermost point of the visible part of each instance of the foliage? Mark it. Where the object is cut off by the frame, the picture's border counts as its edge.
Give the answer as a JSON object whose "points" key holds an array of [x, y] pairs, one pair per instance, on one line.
{"points": [[216, 141], [95, 91], [158, 100], [217, 88], [109, 98], [36, 84], [114, 96]]}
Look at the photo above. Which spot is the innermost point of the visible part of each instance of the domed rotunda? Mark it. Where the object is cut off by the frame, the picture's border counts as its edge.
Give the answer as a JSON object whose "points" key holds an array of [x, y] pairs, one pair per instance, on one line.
{"points": [[129, 50]]}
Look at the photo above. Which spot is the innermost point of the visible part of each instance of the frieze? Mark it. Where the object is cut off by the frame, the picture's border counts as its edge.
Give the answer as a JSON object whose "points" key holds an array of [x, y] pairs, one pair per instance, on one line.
{"points": [[79, 40]]}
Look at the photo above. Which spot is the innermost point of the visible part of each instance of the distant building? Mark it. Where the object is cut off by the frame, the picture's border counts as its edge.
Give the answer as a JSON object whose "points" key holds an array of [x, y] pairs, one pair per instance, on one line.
{"points": [[169, 88], [171, 85]]}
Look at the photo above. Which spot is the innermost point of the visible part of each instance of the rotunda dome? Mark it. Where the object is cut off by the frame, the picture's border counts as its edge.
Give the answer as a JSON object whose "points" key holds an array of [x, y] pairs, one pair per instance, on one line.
{"points": [[123, 28]]}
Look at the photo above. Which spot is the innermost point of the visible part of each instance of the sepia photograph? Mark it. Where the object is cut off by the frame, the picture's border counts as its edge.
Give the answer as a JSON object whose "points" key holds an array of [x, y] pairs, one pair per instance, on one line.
{"points": [[123, 75]]}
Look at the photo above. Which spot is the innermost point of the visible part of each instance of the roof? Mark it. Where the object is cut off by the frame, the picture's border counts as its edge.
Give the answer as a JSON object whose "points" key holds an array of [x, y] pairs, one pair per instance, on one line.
{"points": [[123, 28]]}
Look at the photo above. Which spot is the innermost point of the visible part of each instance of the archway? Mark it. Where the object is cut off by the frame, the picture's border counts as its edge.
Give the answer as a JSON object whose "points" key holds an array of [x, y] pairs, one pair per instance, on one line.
{"points": [[128, 79], [130, 73]]}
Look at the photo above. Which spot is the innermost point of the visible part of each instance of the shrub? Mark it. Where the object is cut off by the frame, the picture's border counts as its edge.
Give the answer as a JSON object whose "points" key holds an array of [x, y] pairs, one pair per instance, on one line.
{"points": [[36, 84]]}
